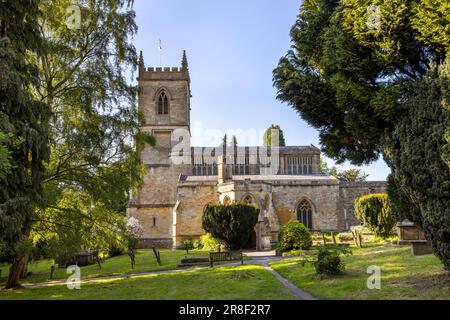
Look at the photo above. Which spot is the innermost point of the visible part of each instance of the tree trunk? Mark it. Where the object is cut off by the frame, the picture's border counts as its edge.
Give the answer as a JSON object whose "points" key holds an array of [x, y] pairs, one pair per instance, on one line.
{"points": [[16, 271], [25, 267], [19, 265]]}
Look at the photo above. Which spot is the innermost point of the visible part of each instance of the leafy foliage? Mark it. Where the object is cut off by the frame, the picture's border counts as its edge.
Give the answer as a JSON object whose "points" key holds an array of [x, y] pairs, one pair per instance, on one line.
{"points": [[293, 236], [352, 175], [25, 131], [329, 260], [361, 86], [95, 136], [5, 154], [268, 136], [231, 223], [374, 211], [210, 243], [83, 77], [421, 158], [78, 222], [348, 175]]}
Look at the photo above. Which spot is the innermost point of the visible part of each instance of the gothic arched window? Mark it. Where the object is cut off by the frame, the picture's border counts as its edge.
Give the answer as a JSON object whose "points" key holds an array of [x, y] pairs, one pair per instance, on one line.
{"points": [[304, 213], [226, 200], [248, 199], [163, 103]]}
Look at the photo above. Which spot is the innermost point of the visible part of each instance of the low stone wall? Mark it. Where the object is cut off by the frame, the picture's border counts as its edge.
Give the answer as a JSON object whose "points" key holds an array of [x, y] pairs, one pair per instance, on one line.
{"points": [[162, 243]]}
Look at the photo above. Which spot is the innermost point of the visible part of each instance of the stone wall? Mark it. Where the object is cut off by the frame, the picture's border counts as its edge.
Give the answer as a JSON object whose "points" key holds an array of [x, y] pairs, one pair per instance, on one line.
{"points": [[323, 198], [349, 192], [192, 197], [154, 204], [321, 192], [157, 243]]}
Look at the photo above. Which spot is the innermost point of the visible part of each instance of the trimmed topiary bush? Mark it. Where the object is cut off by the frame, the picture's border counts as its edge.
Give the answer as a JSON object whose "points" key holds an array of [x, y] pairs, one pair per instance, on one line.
{"points": [[374, 211], [294, 236], [230, 223]]}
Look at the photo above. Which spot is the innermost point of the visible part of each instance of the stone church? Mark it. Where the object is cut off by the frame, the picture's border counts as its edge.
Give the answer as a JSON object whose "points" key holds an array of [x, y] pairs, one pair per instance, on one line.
{"points": [[284, 182]]}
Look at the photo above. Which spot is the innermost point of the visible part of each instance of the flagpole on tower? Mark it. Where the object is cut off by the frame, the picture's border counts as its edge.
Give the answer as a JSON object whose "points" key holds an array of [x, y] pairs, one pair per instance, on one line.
{"points": [[160, 53]]}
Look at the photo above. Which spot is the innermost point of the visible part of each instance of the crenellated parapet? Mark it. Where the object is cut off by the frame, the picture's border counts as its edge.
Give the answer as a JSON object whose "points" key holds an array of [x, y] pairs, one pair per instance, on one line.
{"points": [[164, 73]]}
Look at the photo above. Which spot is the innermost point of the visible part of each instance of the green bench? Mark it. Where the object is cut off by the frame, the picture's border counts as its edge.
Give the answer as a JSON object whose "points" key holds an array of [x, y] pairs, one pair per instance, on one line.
{"points": [[225, 256]]}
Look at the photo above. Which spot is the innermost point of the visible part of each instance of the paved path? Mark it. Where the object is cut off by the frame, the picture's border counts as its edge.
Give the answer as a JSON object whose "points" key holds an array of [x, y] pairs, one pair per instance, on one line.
{"points": [[257, 258], [300, 294], [263, 258]]}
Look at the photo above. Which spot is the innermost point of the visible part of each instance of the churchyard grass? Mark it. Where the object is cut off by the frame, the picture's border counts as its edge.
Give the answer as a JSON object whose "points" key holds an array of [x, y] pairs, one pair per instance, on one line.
{"points": [[229, 283], [403, 276], [119, 265]]}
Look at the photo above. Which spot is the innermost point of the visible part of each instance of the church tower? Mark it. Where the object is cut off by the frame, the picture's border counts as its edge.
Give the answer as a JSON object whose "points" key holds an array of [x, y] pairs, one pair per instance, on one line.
{"points": [[164, 100]]}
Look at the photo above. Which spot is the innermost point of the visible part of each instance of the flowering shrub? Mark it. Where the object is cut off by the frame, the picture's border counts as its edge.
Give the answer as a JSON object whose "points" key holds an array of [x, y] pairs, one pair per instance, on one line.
{"points": [[134, 232]]}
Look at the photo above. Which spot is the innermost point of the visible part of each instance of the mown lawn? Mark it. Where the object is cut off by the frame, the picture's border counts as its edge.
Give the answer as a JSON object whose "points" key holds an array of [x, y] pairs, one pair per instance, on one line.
{"points": [[229, 283], [120, 265], [403, 276]]}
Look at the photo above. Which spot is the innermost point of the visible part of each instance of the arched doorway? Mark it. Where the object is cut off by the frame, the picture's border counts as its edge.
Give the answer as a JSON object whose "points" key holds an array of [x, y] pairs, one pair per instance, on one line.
{"points": [[253, 238], [304, 213], [226, 200], [251, 243]]}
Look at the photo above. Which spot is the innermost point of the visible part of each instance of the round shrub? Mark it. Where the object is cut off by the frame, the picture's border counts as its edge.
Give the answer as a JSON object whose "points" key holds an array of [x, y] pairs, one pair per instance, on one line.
{"points": [[294, 236], [374, 211]]}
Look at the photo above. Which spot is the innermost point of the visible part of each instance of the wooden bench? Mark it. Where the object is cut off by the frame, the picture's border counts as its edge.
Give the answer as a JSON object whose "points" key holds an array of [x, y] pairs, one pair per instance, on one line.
{"points": [[225, 256]]}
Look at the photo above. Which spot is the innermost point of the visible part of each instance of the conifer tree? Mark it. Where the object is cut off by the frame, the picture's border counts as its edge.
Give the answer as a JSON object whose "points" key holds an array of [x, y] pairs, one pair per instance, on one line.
{"points": [[355, 73], [24, 123]]}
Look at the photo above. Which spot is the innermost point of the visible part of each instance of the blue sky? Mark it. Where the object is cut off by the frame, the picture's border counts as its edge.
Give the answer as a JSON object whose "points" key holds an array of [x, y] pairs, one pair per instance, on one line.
{"points": [[232, 47]]}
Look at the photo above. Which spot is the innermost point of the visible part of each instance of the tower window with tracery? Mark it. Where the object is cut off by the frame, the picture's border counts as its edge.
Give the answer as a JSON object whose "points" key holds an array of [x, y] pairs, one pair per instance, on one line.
{"points": [[163, 103]]}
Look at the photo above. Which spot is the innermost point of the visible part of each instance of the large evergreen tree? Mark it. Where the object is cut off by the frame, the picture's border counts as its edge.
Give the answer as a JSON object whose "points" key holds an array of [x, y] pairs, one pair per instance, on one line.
{"points": [[24, 123], [5, 154], [420, 149], [351, 73]]}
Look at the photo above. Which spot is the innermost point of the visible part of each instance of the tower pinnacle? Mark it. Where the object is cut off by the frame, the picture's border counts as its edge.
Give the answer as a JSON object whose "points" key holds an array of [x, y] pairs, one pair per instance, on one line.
{"points": [[141, 63], [184, 62]]}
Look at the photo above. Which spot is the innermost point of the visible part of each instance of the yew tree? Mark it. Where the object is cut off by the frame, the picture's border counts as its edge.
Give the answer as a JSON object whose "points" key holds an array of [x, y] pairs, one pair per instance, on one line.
{"points": [[231, 223], [354, 72], [24, 129]]}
